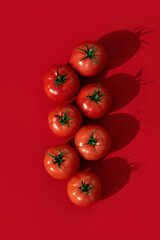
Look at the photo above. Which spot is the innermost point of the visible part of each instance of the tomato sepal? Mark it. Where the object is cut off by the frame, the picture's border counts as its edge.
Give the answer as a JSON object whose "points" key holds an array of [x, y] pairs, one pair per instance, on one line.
{"points": [[59, 159], [63, 119], [60, 79], [89, 54], [85, 188]]}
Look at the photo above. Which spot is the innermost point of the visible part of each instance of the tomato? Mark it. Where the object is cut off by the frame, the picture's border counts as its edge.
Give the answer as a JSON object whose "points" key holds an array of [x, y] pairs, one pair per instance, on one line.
{"points": [[89, 58], [65, 120], [61, 83], [93, 142], [61, 161], [94, 100], [84, 189]]}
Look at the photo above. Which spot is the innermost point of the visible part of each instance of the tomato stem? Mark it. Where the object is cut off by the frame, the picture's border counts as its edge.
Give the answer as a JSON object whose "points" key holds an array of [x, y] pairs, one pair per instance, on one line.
{"points": [[60, 79], [89, 54], [96, 97], [86, 187], [63, 119], [58, 159], [92, 140]]}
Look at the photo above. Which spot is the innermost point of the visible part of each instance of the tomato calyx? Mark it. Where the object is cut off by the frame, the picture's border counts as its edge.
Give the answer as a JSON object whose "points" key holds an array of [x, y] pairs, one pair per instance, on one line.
{"points": [[92, 140], [58, 159], [63, 119], [85, 188], [96, 97], [89, 54], [60, 79]]}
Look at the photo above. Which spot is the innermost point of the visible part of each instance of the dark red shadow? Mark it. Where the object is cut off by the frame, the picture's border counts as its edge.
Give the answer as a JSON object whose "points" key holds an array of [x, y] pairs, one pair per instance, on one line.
{"points": [[120, 45], [122, 128], [114, 173], [123, 88]]}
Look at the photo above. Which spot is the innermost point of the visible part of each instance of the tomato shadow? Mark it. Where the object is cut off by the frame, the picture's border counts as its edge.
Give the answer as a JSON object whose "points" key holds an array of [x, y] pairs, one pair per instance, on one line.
{"points": [[121, 46], [114, 173], [122, 127], [124, 88]]}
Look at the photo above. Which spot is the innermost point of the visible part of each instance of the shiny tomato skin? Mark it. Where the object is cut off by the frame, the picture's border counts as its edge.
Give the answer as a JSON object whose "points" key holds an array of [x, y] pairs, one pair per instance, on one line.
{"points": [[102, 146], [68, 89], [63, 130], [68, 167], [82, 199], [87, 67], [89, 107]]}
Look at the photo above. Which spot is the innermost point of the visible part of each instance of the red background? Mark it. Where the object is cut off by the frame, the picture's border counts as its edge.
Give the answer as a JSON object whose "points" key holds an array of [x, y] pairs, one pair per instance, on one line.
{"points": [[36, 35]]}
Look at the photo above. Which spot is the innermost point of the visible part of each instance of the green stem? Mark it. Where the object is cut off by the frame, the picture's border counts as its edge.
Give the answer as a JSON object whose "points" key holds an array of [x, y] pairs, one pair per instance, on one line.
{"points": [[89, 54], [59, 159], [92, 140], [96, 97], [86, 187], [63, 119], [60, 79]]}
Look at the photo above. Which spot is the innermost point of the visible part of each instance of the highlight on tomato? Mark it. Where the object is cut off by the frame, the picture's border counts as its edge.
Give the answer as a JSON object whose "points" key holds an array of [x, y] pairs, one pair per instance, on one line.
{"points": [[61, 83], [94, 100], [92, 142], [89, 58], [65, 120], [61, 161], [84, 189]]}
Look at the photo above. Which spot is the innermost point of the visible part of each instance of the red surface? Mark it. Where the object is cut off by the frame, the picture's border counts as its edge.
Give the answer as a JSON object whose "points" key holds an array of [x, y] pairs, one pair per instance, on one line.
{"points": [[36, 35]]}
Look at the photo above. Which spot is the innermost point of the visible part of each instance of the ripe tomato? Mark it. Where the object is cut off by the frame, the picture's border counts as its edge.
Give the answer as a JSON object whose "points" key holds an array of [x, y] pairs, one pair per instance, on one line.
{"points": [[65, 120], [61, 83], [89, 58], [84, 189], [93, 142], [94, 100], [61, 161]]}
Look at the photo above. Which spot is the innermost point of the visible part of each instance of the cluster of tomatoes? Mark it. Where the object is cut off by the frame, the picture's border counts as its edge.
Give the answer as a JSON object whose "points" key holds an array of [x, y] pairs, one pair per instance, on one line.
{"points": [[92, 142]]}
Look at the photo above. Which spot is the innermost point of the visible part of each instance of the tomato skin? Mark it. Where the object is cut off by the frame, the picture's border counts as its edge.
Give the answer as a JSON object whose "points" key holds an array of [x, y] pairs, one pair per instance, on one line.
{"points": [[68, 167], [102, 146], [89, 107], [87, 67], [68, 89], [63, 130], [80, 198]]}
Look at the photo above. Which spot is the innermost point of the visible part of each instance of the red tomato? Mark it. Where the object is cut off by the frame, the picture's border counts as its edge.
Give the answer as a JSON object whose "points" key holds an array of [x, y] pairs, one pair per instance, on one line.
{"points": [[94, 100], [93, 142], [65, 120], [89, 58], [84, 189], [61, 161], [61, 83]]}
